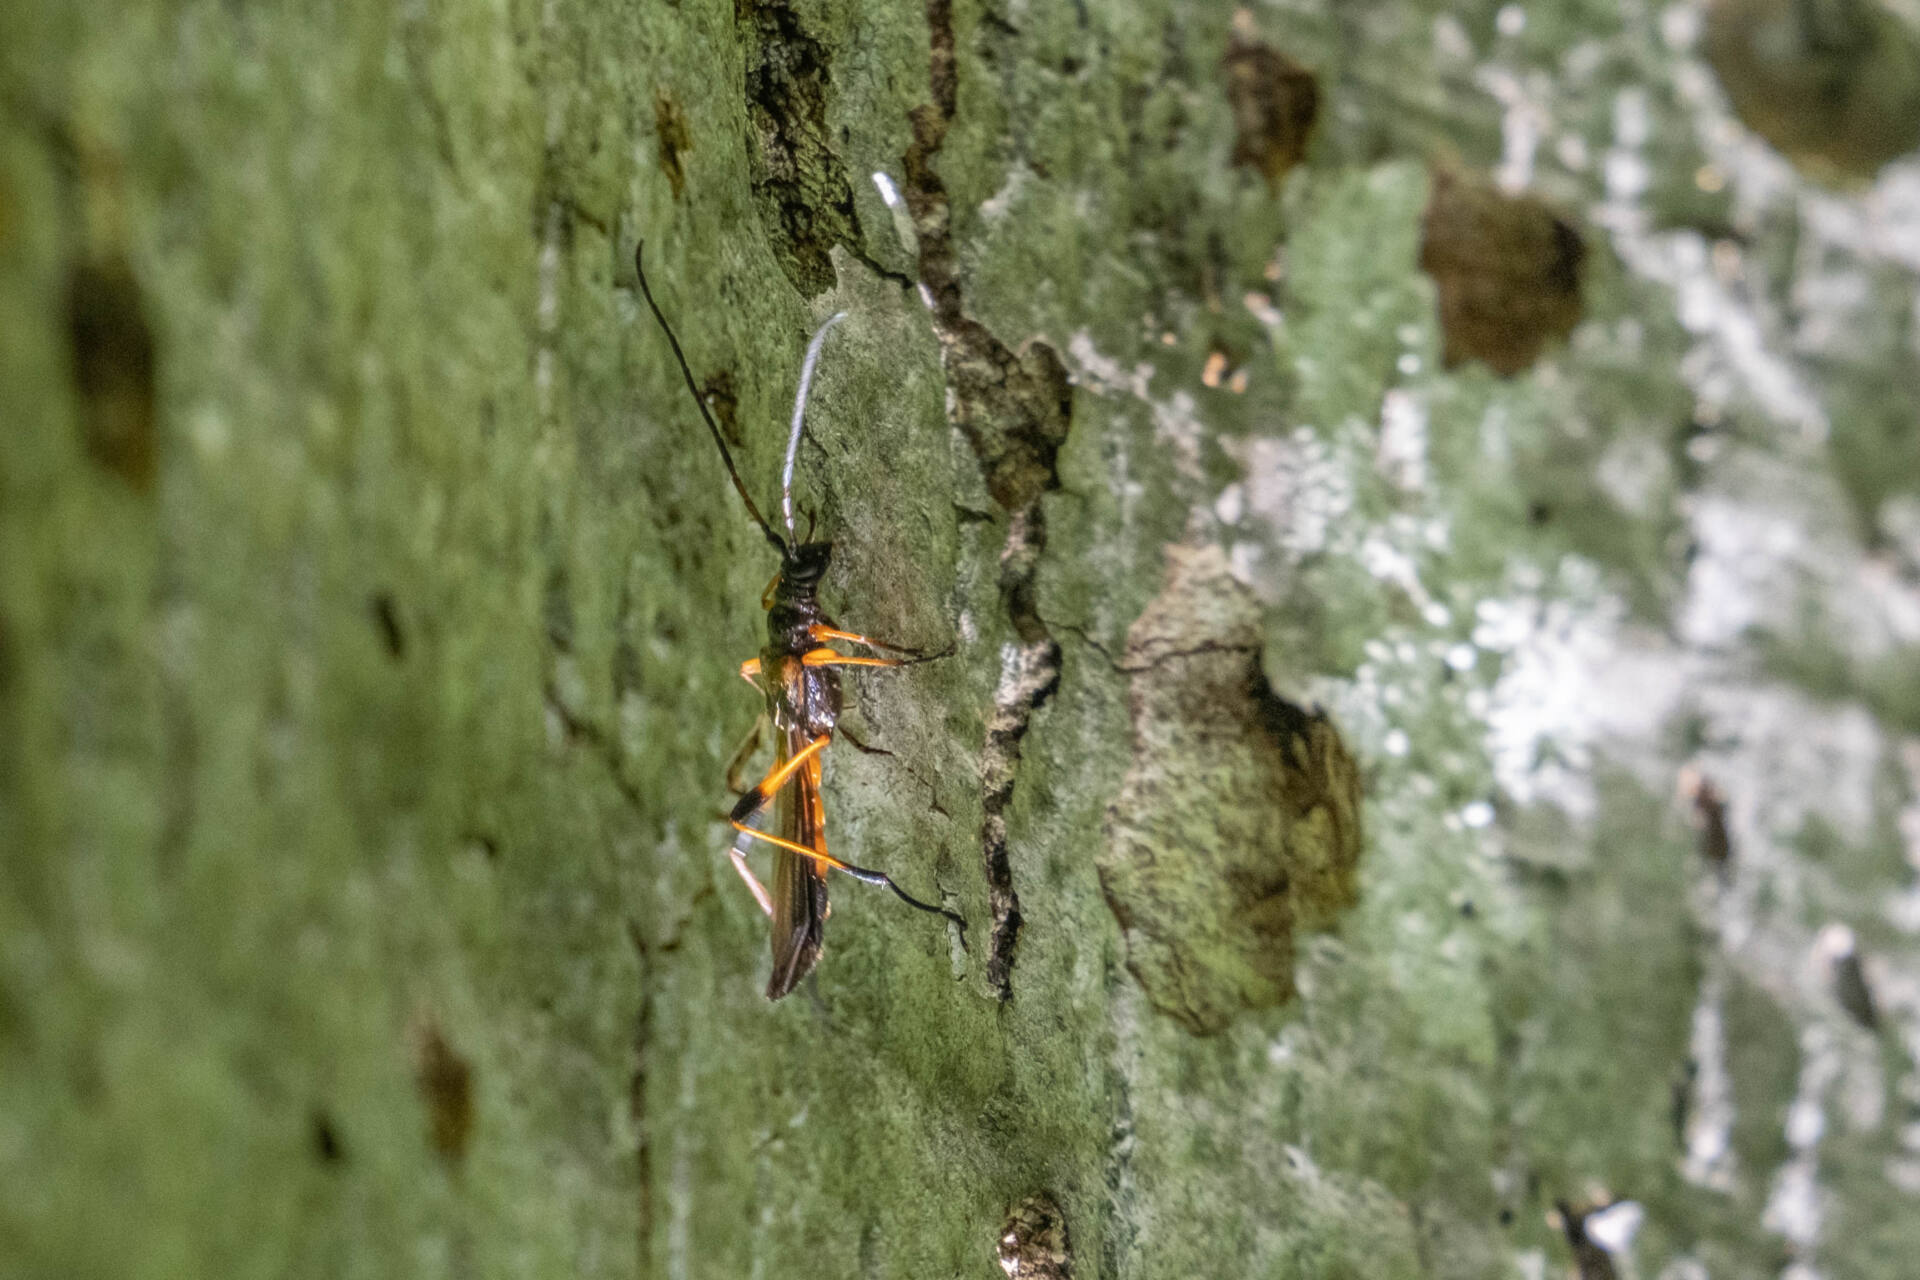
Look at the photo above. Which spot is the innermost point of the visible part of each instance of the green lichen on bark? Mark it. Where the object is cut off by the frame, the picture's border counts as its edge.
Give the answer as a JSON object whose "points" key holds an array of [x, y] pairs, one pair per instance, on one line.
{"points": [[370, 602], [1239, 818]]}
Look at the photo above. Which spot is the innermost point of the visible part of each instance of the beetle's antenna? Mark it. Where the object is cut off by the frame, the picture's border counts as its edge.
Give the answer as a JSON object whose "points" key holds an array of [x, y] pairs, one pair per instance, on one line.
{"points": [[732, 473], [800, 415]]}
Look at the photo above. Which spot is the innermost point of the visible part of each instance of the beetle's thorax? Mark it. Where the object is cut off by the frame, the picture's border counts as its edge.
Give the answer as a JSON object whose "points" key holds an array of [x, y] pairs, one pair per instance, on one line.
{"points": [[804, 698], [795, 607]]}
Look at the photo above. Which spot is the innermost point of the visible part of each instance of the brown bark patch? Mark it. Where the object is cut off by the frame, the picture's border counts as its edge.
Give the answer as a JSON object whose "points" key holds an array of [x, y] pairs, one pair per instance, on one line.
{"points": [[113, 369], [1835, 86], [670, 127], [445, 1081], [1507, 269], [1275, 103]]}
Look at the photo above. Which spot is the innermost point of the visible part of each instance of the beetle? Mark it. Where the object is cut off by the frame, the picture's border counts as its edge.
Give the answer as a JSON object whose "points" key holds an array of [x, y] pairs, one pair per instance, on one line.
{"points": [[795, 673]]}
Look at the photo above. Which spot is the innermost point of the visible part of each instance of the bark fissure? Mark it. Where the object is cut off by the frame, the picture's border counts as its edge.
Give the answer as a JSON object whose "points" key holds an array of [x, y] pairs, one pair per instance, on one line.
{"points": [[1029, 674], [1013, 407]]}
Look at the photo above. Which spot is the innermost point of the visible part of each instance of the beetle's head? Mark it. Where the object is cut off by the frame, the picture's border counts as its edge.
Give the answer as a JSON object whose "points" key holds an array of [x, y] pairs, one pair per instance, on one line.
{"points": [[806, 563]]}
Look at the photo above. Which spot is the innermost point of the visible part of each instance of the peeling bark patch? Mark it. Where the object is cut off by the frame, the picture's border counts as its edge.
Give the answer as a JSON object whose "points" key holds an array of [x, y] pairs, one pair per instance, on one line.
{"points": [[1275, 102], [446, 1085], [799, 183], [670, 127], [113, 369], [1507, 269], [1239, 819], [1033, 1241], [1834, 86]]}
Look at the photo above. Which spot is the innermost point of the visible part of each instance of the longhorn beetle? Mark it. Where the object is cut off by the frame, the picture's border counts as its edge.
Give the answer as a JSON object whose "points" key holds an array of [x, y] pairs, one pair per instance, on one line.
{"points": [[794, 672]]}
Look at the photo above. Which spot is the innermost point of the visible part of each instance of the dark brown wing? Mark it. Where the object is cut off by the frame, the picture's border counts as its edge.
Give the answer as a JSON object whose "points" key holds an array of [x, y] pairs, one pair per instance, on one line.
{"points": [[799, 884]]}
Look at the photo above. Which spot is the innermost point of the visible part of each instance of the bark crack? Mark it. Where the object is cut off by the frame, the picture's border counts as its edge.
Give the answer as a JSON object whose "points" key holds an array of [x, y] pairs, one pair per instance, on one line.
{"points": [[1029, 674], [1013, 407]]}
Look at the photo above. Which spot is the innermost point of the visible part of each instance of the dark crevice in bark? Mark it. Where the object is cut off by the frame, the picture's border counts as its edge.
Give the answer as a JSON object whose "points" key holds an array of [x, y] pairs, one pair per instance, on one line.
{"points": [[799, 183], [1013, 407], [1029, 674], [637, 1108], [1028, 678]]}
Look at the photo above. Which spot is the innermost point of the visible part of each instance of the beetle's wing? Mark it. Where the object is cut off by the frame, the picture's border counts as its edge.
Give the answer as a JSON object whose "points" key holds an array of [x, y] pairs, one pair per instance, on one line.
{"points": [[799, 883]]}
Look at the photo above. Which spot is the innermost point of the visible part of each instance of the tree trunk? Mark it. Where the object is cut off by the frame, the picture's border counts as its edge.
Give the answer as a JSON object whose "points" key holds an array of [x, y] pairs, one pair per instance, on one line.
{"points": [[1420, 507]]}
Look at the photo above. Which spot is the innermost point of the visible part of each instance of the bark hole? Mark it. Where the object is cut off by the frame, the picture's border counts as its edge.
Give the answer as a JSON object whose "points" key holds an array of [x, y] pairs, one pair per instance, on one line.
{"points": [[1033, 1242]]}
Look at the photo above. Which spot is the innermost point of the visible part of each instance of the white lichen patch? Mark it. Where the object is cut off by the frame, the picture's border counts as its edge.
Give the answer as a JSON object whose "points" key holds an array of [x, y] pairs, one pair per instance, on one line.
{"points": [[1795, 1207], [1578, 682], [1403, 436], [1296, 487], [1104, 373], [1709, 1159]]}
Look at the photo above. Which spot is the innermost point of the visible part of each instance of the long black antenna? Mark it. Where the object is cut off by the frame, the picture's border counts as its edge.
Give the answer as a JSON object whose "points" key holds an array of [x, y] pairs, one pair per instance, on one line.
{"points": [[639, 269]]}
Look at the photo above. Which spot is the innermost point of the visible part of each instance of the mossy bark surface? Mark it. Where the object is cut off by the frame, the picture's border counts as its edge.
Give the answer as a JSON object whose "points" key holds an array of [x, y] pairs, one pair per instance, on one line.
{"points": [[371, 602]]}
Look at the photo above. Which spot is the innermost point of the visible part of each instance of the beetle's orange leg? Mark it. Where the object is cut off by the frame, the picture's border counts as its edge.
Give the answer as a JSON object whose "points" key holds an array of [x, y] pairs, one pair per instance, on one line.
{"points": [[756, 800], [766, 597], [825, 657], [750, 672], [820, 856], [863, 874], [824, 634]]}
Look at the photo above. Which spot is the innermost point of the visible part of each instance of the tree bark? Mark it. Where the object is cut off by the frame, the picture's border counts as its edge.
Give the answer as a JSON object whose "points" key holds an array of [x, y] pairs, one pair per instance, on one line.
{"points": [[1421, 507]]}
